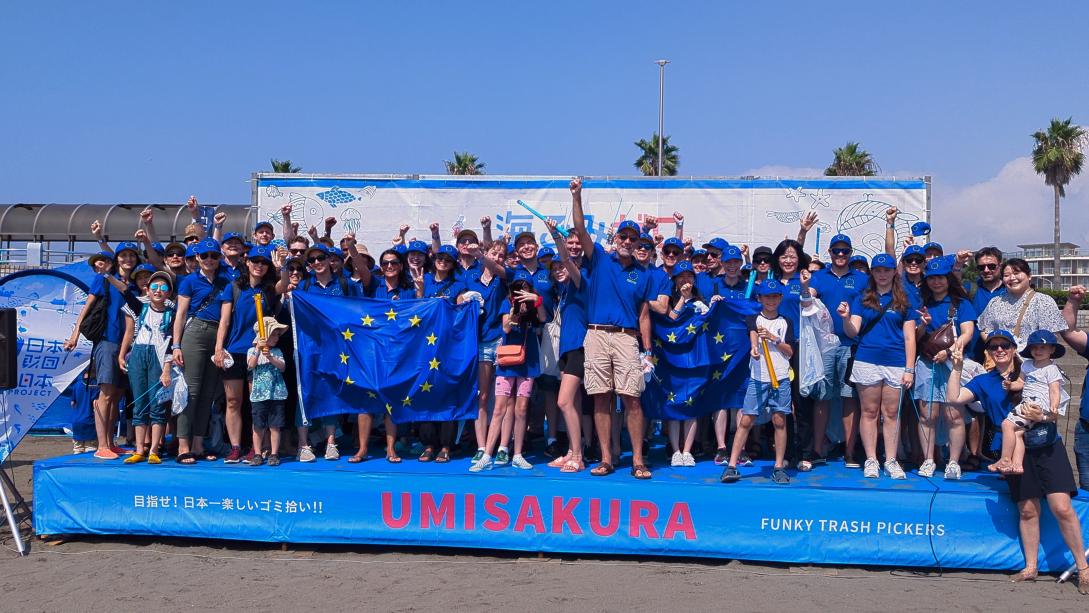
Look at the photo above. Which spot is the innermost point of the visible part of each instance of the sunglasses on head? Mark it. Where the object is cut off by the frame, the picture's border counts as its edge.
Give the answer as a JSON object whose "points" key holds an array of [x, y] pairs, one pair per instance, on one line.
{"points": [[389, 263], [988, 266], [841, 251], [159, 287], [317, 258], [211, 255], [1000, 346]]}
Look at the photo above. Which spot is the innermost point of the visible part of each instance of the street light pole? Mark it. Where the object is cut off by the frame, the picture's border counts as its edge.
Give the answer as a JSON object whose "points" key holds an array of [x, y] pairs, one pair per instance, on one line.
{"points": [[661, 109]]}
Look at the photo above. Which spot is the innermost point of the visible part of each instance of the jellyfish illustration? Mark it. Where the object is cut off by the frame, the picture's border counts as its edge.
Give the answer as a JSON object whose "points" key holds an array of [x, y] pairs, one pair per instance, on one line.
{"points": [[351, 219]]}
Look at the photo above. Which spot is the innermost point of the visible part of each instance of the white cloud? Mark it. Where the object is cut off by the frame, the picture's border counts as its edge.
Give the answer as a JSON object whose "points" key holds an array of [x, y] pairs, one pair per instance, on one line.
{"points": [[1014, 207]]}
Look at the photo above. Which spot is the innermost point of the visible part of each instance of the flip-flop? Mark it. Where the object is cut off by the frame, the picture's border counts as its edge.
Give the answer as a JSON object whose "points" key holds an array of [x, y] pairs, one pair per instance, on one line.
{"points": [[572, 466], [443, 457], [640, 471], [427, 455], [558, 461], [186, 459], [603, 469], [356, 459], [393, 459]]}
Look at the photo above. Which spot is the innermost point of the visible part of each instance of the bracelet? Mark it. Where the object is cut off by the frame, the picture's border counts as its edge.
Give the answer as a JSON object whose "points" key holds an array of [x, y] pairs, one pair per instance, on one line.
{"points": [[910, 371], [172, 347]]}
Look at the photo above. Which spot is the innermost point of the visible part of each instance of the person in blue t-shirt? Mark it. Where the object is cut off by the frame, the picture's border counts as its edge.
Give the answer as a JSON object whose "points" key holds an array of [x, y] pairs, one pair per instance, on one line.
{"points": [[618, 312], [1079, 342], [789, 260], [730, 285], [882, 318], [687, 301], [111, 380], [1047, 469], [943, 299], [912, 263], [483, 283], [660, 283]]}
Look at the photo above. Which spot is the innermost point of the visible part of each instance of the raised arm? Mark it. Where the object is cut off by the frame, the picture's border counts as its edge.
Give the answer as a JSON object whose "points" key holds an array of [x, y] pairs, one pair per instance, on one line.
{"points": [[578, 218], [486, 230], [436, 240], [1077, 339], [954, 393], [217, 225], [96, 231], [359, 265], [290, 228], [678, 221], [153, 256], [805, 224], [851, 323], [890, 231], [573, 271], [330, 221], [491, 266]]}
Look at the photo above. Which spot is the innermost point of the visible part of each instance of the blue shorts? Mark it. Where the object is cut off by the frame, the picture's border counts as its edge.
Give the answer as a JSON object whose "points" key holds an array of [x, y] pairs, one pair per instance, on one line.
{"points": [[107, 370], [835, 369], [486, 351], [761, 400]]}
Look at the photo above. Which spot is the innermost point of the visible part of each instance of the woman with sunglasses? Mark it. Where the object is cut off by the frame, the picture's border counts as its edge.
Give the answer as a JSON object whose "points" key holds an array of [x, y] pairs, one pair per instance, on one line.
{"points": [[882, 319], [106, 351], [790, 266], [200, 297], [943, 299], [1021, 310], [145, 357], [235, 336], [912, 263], [1047, 469]]}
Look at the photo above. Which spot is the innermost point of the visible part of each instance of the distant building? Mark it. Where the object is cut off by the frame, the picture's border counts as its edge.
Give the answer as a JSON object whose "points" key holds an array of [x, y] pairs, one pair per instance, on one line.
{"points": [[1073, 264]]}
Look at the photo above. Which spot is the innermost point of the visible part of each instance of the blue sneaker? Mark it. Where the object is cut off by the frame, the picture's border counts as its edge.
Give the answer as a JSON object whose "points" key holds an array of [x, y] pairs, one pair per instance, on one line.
{"points": [[730, 475]]}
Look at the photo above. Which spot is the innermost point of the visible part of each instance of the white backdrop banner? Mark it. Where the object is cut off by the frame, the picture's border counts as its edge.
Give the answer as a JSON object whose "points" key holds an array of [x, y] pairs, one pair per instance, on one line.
{"points": [[753, 211]]}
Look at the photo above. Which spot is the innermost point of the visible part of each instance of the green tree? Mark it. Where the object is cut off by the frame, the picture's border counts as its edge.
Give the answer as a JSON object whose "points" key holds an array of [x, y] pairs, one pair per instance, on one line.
{"points": [[1058, 156], [647, 163], [852, 160], [283, 166], [464, 163]]}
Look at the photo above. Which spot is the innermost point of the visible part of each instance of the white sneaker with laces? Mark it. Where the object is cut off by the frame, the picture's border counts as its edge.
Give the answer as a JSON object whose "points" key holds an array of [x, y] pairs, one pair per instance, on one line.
{"points": [[871, 469], [952, 471], [688, 459], [306, 454], [677, 459], [893, 468], [484, 463], [331, 452], [927, 468], [521, 462]]}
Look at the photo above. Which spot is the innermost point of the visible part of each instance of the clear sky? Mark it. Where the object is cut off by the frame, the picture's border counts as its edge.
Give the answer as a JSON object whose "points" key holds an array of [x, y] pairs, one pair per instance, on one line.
{"points": [[152, 101]]}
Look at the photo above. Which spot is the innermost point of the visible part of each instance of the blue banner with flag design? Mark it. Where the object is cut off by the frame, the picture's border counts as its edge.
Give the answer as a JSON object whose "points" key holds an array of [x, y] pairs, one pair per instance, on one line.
{"points": [[413, 359], [700, 360]]}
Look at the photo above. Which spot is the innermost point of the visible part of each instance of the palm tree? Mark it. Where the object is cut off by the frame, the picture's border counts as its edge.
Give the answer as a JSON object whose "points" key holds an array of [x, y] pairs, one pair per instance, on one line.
{"points": [[283, 166], [852, 160], [647, 163], [464, 163], [1057, 155]]}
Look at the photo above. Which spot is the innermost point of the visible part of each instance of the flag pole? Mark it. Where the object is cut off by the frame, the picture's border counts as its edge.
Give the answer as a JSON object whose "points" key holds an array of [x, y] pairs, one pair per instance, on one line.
{"points": [[295, 350]]}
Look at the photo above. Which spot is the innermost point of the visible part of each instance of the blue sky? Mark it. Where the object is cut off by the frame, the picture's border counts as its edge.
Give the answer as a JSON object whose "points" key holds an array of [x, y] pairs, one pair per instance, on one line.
{"points": [[154, 101]]}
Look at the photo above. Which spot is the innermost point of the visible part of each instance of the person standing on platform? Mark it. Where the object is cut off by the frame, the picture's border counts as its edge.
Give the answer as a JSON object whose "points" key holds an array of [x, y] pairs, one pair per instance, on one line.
{"points": [[268, 391], [687, 301], [730, 286], [443, 283], [1079, 342], [619, 299], [1047, 469], [1021, 310], [881, 318]]}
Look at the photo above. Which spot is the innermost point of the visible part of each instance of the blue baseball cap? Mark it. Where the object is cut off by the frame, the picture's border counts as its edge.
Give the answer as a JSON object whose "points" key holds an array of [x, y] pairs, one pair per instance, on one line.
{"points": [[933, 245], [1001, 334], [336, 252], [840, 238], [646, 239], [938, 267], [746, 268], [510, 248], [191, 250], [320, 248], [524, 234], [449, 251], [628, 224], [546, 252], [698, 253], [858, 258], [912, 250], [400, 249], [418, 246], [126, 246], [682, 266], [101, 255], [148, 268], [920, 228], [207, 245], [731, 252], [716, 243], [673, 241], [1043, 337], [158, 248], [264, 223], [769, 287], [263, 252], [883, 260], [231, 236]]}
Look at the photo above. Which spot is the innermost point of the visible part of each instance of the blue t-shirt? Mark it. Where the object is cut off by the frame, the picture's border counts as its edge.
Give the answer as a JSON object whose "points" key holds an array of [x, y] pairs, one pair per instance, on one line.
{"points": [[617, 292], [732, 292], [447, 288], [939, 314], [988, 391], [517, 335], [201, 291], [115, 320], [706, 285], [833, 289], [491, 320], [540, 279], [791, 306], [338, 286], [573, 301], [661, 284], [243, 317], [381, 290], [980, 300], [883, 345], [914, 292]]}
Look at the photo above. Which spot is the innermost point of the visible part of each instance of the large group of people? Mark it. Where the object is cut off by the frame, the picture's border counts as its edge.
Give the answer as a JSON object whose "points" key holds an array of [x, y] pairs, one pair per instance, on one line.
{"points": [[924, 367]]}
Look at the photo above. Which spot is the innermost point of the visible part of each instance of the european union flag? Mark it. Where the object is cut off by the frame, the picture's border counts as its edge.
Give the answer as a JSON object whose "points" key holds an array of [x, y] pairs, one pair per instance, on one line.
{"points": [[413, 359], [700, 360]]}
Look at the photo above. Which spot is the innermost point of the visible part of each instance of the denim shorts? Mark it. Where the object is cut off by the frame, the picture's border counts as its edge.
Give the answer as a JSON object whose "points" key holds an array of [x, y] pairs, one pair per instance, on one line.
{"points": [[107, 370], [835, 367], [486, 351], [761, 400]]}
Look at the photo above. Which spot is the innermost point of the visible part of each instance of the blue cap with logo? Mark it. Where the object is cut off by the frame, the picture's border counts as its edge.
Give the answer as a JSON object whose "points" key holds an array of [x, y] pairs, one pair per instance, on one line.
{"points": [[628, 224], [920, 228], [207, 245], [318, 248], [932, 245], [912, 250], [673, 241], [732, 252], [418, 246], [682, 266], [261, 252], [144, 268], [697, 253], [101, 256], [191, 250], [126, 246], [336, 252], [840, 238], [938, 267], [1001, 334], [716, 243], [264, 223], [233, 236], [158, 248], [546, 252], [858, 258], [769, 287], [646, 239], [401, 249], [883, 260], [449, 251]]}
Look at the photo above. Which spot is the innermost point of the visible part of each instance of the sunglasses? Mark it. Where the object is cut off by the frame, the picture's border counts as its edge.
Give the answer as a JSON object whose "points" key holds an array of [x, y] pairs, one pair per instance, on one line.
{"points": [[159, 287], [317, 258], [624, 238], [390, 263], [840, 251], [175, 254], [209, 256], [713, 255], [762, 260], [644, 247], [298, 251], [466, 240], [294, 270], [1000, 346], [673, 253], [988, 266], [259, 261], [914, 261]]}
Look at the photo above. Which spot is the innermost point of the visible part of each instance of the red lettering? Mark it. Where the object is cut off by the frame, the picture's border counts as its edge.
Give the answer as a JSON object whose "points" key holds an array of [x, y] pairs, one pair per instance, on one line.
{"points": [[500, 519], [680, 520], [387, 510], [564, 514], [641, 517], [529, 515], [613, 524], [437, 515], [470, 511]]}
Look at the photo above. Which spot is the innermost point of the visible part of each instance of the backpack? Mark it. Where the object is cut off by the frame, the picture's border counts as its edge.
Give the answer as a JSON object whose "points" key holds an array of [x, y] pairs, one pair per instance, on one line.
{"points": [[93, 326]]}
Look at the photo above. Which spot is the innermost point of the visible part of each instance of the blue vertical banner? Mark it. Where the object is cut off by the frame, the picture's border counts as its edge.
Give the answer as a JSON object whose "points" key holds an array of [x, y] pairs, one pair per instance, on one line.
{"points": [[412, 359]]}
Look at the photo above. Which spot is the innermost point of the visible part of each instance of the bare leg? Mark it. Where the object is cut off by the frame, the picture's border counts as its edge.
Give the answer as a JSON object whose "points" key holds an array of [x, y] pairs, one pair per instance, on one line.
{"points": [[744, 424], [1029, 528], [258, 441], [633, 410], [391, 438], [675, 435], [689, 434], [486, 379], [568, 401], [850, 427], [870, 404], [521, 410], [363, 424], [141, 436], [502, 407], [1009, 440], [603, 421], [1061, 508], [890, 429], [1018, 458], [722, 420], [927, 413], [234, 390], [274, 440], [156, 438], [778, 420], [954, 418]]}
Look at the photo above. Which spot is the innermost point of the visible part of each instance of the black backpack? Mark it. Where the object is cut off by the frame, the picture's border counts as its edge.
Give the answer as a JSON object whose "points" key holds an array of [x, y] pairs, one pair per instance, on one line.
{"points": [[93, 326]]}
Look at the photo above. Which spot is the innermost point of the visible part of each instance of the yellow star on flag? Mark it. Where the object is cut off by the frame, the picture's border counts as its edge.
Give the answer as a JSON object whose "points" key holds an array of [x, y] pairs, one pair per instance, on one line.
{"points": [[718, 338], [431, 338], [343, 358], [657, 343], [348, 380], [690, 401], [407, 401], [725, 357], [434, 363], [672, 337], [426, 387], [372, 394], [389, 409], [654, 360], [415, 321], [717, 374], [671, 396], [706, 326], [347, 334], [391, 314], [367, 320], [691, 328]]}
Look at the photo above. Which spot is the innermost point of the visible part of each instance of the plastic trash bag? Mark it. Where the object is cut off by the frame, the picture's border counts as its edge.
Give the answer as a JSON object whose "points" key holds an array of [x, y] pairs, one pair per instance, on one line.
{"points": [[815, 339], [180, 391]]}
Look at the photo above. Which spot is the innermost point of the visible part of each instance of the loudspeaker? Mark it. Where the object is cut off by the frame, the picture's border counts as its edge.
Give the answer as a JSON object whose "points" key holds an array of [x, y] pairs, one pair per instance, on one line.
{"points": [[9, 373]]}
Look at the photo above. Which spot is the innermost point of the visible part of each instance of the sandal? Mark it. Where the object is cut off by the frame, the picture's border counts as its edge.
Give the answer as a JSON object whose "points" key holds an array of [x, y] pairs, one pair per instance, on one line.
{"points": [[393, 459], [187, 459], [357, 458], [135, 458], [443, 457], [153, 458], [805, 466], [427, 455], [603, 469], [559, 461], [572, 466], [640, 471]]}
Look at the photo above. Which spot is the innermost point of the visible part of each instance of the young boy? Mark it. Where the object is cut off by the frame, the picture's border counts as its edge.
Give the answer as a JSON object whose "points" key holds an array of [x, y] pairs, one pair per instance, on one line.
{"points": [[267, 391], [769, 388], [1040, 384]]}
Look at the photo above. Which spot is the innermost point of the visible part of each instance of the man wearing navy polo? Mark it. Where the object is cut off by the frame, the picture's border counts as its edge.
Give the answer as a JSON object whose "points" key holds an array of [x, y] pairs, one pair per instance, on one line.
{"points": [[619, 291], [833, 285]]}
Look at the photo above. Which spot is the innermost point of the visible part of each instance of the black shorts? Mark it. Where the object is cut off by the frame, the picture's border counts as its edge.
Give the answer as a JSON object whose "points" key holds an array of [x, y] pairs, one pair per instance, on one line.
{"points": [[1047, 471], [573, 363], [268, 414], [237, 370]]}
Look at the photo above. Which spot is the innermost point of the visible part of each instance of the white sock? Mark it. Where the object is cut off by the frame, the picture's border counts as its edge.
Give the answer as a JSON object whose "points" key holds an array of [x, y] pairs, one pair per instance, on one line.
{"points": [[504, 449]]}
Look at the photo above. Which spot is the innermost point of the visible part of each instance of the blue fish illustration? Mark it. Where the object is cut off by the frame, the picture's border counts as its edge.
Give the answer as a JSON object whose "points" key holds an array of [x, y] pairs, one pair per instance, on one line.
{"points": [[336, 196]]}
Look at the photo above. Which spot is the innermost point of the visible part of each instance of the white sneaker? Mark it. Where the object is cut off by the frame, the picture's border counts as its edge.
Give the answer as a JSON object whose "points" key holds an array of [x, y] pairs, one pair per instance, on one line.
{"points": [[78, 447], [688, 459], [520, 462], [871, 469], [90, 446], [677, 459], [744, 459], [893, 468], [331, 452], [927, 469], [952, 471], [484, 463], [306, 454]]}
